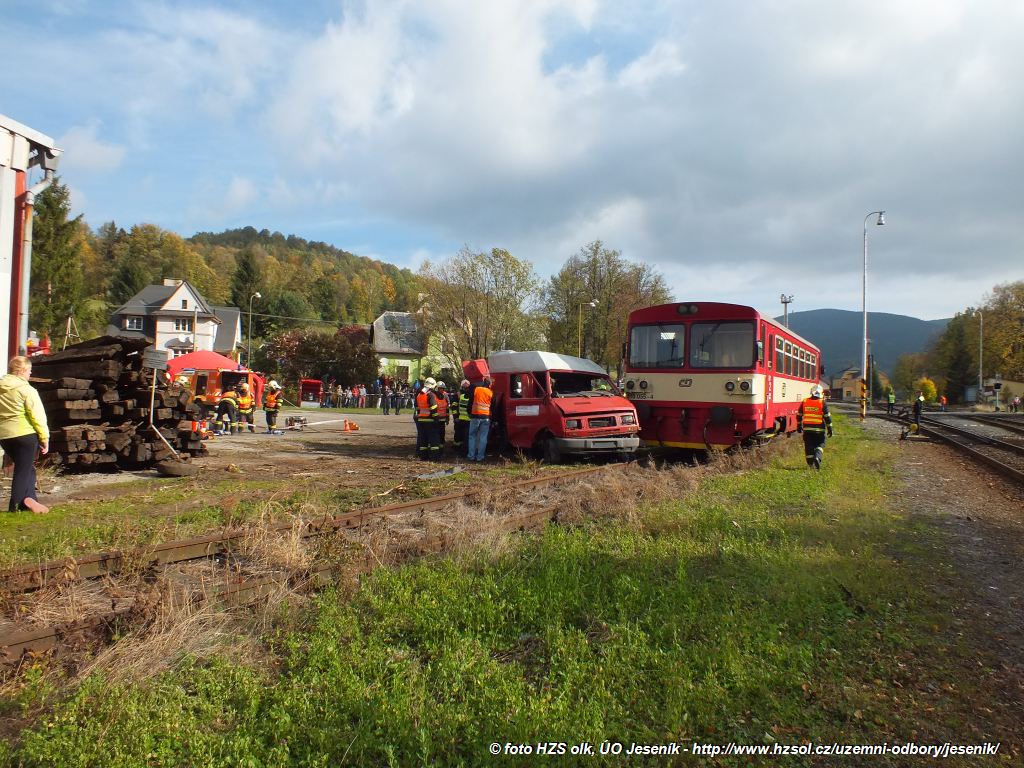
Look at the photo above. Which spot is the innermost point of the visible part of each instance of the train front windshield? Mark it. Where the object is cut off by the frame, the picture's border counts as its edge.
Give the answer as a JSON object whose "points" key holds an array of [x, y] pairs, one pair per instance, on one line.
{"points": [[722, 345], [657, 346]]}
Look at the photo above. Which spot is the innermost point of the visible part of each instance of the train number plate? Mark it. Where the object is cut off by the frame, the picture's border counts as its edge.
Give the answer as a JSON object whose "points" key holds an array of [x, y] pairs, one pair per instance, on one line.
{"points": [[638, 395]]}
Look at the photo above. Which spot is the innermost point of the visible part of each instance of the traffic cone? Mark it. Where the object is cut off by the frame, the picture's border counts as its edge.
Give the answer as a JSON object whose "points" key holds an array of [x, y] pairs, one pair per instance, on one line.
{"points": [[350, 426]]}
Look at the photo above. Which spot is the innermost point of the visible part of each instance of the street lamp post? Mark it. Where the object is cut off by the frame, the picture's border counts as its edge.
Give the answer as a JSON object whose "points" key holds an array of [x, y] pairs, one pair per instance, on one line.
{"points": [[981, 351], [579, 327], [786, 301], [864, 309], [248, 346]]}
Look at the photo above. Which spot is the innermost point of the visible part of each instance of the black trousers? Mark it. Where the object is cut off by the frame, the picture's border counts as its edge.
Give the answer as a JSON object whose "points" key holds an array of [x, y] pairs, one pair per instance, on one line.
{"points": [[22, 451], [428, 444], [814, 446], [271, 419], [461, 436]]}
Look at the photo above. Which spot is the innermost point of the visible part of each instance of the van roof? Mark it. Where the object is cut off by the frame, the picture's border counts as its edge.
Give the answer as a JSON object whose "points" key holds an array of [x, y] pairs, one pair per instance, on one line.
{"points": [[517, 362]]}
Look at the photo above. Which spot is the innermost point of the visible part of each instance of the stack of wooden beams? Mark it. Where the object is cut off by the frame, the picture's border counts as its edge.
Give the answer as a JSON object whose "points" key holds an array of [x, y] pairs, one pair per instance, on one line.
{"points": [[97, 399]]}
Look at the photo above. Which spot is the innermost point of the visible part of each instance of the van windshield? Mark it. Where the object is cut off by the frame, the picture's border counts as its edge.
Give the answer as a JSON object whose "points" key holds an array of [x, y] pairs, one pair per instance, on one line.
{"points": [[566, 384]]}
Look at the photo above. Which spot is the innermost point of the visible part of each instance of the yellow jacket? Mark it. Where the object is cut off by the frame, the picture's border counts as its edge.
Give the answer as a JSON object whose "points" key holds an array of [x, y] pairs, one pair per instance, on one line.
{"points": [[21, 410]]}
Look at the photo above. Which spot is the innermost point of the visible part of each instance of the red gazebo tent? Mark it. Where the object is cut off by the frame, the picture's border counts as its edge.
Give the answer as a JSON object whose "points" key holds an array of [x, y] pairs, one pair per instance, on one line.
{"points": [[202, 360]]}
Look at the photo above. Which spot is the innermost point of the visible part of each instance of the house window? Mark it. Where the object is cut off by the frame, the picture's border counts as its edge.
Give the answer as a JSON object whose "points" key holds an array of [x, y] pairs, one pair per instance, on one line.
{"points": [[180, 352], [184, 303], [133, 323], [183, 324]]}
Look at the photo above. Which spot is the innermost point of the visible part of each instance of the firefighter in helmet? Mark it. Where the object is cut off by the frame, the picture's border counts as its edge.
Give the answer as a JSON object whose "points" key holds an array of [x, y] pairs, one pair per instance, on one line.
{"points": [[272, 405], [428, 445], [246, 408], [815, 422]]}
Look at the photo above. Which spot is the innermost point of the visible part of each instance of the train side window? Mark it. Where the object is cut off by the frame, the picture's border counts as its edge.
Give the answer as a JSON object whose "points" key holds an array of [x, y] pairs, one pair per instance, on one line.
{"points": [[814, 368], [779, 356], [803, 365], [789, 359]]}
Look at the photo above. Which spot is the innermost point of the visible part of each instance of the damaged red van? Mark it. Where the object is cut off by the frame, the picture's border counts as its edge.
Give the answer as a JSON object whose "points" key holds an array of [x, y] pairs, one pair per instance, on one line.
{"points": [[556, 405]]}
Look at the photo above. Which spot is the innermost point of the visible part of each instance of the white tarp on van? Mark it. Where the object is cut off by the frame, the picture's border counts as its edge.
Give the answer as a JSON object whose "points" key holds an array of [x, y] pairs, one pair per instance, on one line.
{"points": [[517, 362]]}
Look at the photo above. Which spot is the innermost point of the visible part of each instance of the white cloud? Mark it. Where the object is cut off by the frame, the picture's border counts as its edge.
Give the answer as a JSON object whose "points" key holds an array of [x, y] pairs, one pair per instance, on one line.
{"points": [[84, 151]]}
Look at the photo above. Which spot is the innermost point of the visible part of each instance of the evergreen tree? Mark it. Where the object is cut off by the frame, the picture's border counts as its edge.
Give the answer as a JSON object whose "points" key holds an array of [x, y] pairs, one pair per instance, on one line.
{"points": [[247, 280], [130, 277], [56, 267]]}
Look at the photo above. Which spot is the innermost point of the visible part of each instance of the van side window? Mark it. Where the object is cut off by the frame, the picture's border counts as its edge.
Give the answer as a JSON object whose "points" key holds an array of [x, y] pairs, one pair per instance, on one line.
{"points": [[540, 379], [201, 384], [516, 386]]}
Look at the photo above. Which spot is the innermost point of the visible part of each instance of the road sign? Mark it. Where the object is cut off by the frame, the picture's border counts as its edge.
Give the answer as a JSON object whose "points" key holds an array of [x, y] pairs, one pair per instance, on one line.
{"points": [[155, 359]]}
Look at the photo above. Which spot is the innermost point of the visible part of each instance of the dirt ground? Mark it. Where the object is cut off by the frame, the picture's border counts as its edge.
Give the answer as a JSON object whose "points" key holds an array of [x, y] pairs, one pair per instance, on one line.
{"points": [[978, 560], [381, 450]]}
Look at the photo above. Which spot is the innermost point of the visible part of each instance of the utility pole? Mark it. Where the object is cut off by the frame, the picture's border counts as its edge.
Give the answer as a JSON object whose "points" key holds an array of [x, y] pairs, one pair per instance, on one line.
{"points": [[786, 301]]}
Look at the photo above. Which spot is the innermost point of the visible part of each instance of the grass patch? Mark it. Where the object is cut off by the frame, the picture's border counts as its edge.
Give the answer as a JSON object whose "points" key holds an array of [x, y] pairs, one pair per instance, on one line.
{"points": [[767, 606]]}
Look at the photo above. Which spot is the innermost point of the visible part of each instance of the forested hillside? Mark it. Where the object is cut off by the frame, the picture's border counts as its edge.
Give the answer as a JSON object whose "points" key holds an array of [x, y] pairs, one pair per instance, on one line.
{"points": [[84, 273]]}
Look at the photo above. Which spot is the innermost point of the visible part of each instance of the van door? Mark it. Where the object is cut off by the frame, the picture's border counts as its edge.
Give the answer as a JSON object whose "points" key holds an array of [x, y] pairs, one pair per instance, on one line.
{"points": [[525, 410]]}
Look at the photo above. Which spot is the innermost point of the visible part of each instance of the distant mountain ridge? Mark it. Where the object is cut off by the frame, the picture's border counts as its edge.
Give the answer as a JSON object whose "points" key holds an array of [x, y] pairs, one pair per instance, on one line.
{"points": [[839, 333]]}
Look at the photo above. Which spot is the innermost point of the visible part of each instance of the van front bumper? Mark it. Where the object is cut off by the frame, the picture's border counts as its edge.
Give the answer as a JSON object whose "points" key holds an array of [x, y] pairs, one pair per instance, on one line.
{"points": [[597, 444]]}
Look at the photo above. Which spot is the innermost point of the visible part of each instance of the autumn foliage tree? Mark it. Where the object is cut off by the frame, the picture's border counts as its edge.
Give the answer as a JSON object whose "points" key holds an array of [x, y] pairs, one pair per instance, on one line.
{"points": [[616, 287], [345, 355], [478, 303]]}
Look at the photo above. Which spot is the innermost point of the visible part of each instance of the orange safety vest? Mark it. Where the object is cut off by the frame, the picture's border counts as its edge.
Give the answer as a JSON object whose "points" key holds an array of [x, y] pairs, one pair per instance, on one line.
{"points": [[442, 408], [425, 410], [813, 411], [245, 403], [482, 397], [270, 401]]}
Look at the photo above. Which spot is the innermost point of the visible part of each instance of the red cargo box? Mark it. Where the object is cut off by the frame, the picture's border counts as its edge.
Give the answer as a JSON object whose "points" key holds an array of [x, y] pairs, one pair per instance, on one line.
{"points": [[475, 370]]}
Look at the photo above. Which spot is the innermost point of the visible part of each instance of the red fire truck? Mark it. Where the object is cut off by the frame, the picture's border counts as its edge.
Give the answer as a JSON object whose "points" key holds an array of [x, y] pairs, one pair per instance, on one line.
{"points": [[556, 405]]}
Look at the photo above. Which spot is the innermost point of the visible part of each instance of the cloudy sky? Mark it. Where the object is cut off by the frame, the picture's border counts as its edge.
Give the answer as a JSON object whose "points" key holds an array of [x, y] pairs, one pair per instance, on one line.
{"points": [[737, 146]]}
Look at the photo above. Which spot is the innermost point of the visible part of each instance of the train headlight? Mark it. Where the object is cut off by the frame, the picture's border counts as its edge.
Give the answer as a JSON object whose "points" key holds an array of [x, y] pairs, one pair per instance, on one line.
{"points": [[745, 386], [730, 386], [643, 385], [628, 418], [573, 423], [630, 384]]}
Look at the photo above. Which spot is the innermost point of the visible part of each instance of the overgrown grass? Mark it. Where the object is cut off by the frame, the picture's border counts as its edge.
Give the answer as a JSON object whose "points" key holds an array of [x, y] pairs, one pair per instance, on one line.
{"points": [[767, 606]]}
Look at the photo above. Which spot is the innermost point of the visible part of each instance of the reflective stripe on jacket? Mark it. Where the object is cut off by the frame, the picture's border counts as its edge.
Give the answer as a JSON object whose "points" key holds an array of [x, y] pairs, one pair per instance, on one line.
{"points": [[246, 403], [442, 408], [814, 415], [270, 401], [462, 409], [482, 397], [426, 406]]}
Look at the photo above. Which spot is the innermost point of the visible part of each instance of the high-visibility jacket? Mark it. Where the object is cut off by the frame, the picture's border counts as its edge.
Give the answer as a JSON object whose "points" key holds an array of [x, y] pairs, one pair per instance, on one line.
{"points": [[246, 403], [462, 406], [442, 408], [892, 397], [813, 415], [426, 406], [482, 397], [230, 399], [272, 401]]}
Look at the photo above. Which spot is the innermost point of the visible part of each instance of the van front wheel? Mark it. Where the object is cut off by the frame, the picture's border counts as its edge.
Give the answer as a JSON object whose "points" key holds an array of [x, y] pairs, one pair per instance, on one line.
{"points": [[552, 453]]}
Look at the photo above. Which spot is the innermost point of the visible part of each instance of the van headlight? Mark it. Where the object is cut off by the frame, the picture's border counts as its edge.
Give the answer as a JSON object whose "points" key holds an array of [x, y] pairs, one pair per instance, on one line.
{"points": [[573, 424], [628, 418]]}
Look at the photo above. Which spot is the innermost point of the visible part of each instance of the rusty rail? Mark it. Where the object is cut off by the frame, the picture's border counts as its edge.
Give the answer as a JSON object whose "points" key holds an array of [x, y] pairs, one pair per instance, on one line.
{"points": [[26, 578], [233, 590]]}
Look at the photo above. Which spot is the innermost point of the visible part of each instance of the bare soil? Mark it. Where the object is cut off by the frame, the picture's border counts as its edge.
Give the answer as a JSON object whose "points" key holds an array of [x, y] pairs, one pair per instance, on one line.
{"points": [[381, 450]]}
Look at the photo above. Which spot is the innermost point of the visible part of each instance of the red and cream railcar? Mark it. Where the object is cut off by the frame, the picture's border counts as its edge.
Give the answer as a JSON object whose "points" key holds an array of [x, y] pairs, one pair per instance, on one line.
{"points": [[707, 375]]}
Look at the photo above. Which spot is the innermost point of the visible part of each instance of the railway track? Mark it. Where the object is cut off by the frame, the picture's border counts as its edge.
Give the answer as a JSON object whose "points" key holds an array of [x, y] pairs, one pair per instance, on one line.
{"points": [[1005, 458], [231, 586]]}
